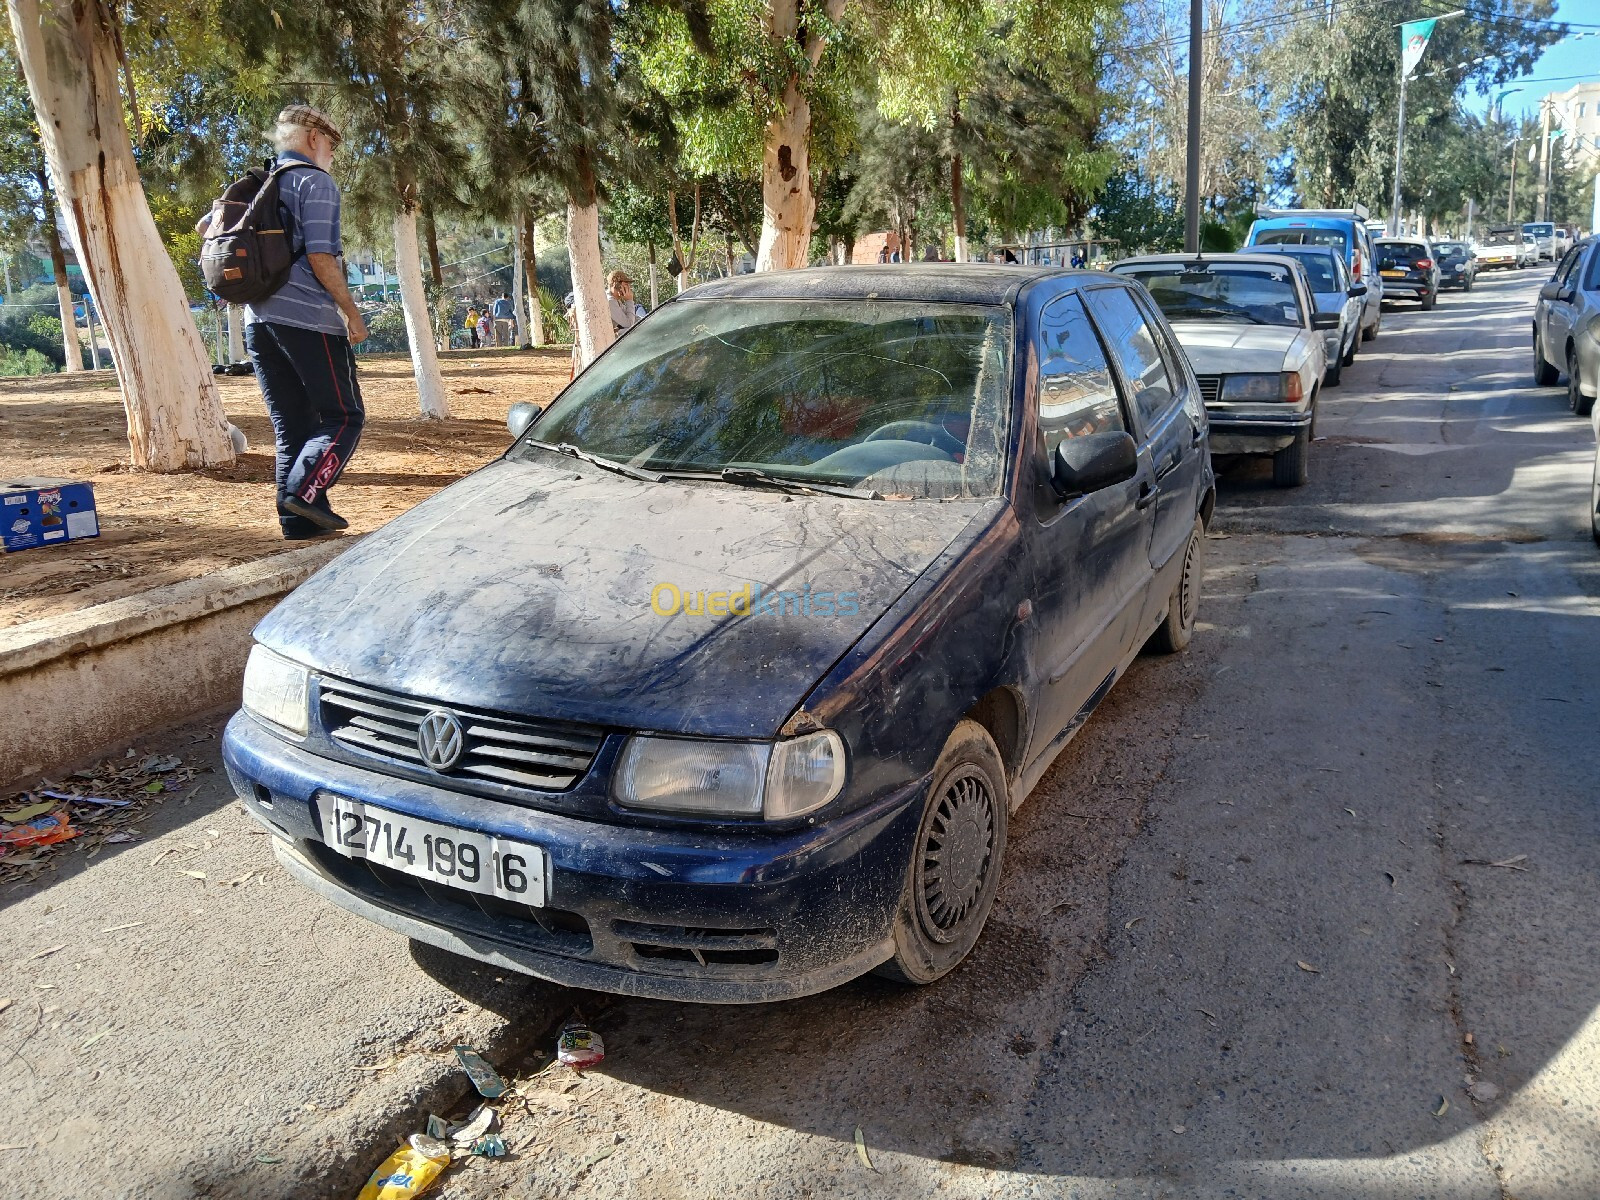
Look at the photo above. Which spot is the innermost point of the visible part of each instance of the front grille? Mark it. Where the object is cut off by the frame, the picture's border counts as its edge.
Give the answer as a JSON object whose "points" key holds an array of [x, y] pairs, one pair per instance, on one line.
{"points": [[1210, 387], [542, 755], [694, 944]]}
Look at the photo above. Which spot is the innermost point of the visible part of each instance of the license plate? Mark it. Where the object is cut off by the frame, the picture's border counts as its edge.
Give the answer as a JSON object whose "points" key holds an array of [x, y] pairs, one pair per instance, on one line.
{"points": [[1394, 274], [440, 853]]}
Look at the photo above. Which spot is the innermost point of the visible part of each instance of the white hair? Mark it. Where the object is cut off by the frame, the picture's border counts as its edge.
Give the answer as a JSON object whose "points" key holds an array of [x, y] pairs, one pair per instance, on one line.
{"points": [[286, 135]]}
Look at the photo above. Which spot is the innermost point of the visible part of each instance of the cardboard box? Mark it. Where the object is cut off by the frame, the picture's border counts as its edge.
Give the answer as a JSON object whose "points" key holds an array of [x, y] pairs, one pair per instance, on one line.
{"points": [[44, 512]]}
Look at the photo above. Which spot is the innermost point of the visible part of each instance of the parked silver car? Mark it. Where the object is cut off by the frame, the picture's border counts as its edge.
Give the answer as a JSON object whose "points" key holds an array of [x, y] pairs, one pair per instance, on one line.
{"points": [[1332, 291], [1255, 340], [1566, 327]]}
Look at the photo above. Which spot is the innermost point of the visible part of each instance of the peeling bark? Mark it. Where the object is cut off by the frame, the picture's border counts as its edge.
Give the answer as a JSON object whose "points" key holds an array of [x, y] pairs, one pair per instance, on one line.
{"points": [[68, 53], [593, 334]]}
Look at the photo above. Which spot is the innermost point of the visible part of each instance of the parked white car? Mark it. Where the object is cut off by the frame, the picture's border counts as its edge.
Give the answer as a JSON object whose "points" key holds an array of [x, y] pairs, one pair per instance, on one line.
{"points": [[1256, 341]]}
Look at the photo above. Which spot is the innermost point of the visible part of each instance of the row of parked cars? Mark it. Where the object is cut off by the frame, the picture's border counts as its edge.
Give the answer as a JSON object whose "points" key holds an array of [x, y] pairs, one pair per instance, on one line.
{"points": [[723, 683], [1566, 342]]}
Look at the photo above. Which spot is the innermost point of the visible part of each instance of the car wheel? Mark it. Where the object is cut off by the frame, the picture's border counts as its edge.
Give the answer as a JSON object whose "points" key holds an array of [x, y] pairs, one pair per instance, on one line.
{"points": [[1466, 285], [1544, 374], [1334, 374], [1594, 500], [1580, 404], [1430, 300], [1177, 628], [1350, 351], [1291, 465], [955, 863], [1368, 334]]}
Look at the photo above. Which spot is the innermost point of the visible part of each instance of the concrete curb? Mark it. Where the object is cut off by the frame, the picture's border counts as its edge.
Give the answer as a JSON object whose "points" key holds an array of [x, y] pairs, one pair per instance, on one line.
{"points": [[83, 684]]}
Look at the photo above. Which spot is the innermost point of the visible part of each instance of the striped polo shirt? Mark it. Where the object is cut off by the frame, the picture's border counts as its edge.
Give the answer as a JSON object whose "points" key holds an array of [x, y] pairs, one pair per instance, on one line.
{"points": [[310, 200]]}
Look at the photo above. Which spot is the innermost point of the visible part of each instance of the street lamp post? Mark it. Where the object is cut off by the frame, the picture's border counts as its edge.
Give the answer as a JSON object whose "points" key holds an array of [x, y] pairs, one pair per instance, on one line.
{"points": [[1191, 195]]}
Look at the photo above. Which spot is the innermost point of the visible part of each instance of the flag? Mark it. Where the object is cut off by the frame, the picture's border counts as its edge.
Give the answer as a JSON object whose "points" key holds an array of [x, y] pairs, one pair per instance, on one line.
{"points": [[1414, 37]]}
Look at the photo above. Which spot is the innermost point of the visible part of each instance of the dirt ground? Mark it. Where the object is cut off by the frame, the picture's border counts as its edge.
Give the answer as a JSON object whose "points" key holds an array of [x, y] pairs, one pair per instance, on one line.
{"points": [[160, 529]]}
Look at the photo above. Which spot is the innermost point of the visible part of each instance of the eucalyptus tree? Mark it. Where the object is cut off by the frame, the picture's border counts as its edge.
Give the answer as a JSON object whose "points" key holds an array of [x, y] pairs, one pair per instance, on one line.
{"points": [[69, 53], [384, 69]]}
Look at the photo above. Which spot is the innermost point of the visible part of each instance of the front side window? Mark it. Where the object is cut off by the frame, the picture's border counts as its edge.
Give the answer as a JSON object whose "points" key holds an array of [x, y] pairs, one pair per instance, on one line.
{"points": [[1568, 262], [909, 399], [1255, 293], [1133, 344], [1077, 395], [1591, 280], [1320, 271]]}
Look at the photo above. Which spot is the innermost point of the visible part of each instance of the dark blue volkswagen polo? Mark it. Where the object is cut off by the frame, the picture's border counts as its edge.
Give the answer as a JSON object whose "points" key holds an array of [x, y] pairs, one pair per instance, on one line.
{"points": [[721, 684]]}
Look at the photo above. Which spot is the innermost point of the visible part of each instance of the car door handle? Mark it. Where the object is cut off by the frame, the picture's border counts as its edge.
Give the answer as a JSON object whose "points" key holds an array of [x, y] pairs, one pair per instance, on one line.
{"points": [[1147, 495]]}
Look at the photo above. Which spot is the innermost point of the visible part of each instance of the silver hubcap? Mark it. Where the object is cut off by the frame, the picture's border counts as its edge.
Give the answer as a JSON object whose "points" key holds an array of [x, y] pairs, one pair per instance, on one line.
{"points": [[1187, 586], [956, 854]]}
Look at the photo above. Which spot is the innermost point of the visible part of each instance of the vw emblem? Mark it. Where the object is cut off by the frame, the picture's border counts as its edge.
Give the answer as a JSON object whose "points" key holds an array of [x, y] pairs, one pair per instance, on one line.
{"points": [[440, 740]]}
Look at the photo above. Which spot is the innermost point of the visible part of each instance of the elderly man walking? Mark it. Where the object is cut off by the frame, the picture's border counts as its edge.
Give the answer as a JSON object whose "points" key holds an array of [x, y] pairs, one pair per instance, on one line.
{"points": [[299, 337]]}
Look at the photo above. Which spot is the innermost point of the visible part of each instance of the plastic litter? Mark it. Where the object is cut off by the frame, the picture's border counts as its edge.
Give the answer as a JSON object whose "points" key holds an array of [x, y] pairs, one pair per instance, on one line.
{"points": [[579, 1046], [483, 1076], [40, 831], [480, 1123], [409, 1171], [491, 1146]]}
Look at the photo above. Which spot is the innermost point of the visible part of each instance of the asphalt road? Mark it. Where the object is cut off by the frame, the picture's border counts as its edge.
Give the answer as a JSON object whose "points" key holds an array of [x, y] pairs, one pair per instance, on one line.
{"points": [[1243, 938]]}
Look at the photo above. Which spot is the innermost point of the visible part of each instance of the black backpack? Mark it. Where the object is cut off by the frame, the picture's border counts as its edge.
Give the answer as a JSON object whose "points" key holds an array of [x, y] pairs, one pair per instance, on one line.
{"points": [[248, 249]]}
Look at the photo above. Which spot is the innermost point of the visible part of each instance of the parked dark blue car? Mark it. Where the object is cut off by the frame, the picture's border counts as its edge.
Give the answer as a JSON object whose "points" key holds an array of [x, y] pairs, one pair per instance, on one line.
{"points": [[722, 683]]}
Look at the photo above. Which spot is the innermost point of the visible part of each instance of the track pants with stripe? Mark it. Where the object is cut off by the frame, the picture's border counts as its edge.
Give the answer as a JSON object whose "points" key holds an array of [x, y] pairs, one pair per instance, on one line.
{"points": [[308, 380]]}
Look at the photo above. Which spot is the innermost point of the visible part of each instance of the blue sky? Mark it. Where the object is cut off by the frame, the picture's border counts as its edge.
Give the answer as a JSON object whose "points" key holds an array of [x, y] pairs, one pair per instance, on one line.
{"points": [[1578, 58]]}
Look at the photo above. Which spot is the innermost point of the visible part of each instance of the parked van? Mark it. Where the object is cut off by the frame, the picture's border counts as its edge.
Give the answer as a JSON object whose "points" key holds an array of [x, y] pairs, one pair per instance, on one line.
{"points": [[1344, 229]]}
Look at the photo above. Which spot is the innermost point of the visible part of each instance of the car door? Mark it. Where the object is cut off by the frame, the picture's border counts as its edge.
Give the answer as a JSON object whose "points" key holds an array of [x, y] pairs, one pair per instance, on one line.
{"points": [[1557, 309], [1171, 431], [1089, 554]]}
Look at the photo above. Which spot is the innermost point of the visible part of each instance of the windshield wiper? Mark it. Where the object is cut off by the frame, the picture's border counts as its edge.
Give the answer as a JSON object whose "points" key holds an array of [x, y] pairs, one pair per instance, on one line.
{"points": [[1230, 313], [752, 477], [607, 464]]}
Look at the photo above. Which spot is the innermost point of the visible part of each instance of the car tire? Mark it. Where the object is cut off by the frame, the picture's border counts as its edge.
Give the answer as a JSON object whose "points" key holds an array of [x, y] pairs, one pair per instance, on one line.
{"points": [[1368, 335], [1291, 465], [1334, 374], [1350, 354], [1467, 284], [1429, 301], [1580, 404], [1177, 627], [1545, 374], [962, 837]]}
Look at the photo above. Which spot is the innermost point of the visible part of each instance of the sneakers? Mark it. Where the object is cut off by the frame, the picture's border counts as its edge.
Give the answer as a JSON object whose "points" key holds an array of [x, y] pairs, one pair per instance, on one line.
{"points": [[323, 518]]}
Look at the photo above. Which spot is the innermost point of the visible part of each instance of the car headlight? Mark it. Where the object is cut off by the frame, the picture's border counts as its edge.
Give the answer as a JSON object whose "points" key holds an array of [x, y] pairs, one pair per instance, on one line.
{"points": [[1253, 387], [275, 689], [730, 779]]}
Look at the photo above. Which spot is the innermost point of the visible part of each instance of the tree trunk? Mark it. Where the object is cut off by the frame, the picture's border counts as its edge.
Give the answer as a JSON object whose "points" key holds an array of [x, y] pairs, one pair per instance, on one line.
{"points": [[653, 296], [517, 278], [68, 54], [958, 204], [787, 203], [593, 334], [530, 252], [431, 396], [70, 350], [236, 333], [430, 232]]}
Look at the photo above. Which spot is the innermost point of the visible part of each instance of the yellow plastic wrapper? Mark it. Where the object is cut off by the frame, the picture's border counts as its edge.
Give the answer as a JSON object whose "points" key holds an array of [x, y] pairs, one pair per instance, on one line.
{"points": [[409, 1171]]}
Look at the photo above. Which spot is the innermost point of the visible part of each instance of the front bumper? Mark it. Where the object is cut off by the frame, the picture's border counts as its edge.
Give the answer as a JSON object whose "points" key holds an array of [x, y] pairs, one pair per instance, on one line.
{"points": [[1254, 430], [699, 914]]}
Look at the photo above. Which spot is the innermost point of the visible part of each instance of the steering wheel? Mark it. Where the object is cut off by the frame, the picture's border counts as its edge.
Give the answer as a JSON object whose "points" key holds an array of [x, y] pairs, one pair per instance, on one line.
{"points": [[925, 432]]}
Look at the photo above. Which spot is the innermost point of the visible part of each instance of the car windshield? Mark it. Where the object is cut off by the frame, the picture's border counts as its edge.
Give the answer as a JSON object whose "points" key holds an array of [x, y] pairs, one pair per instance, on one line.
{"points": [[1319, 269], [1540, 230], [1258, 293], [1302, 236], [1451, 249], [911, 400]]}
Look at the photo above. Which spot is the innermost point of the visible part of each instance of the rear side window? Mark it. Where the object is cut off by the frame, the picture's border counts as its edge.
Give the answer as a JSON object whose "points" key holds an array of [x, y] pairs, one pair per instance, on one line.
{"points": [[1077, 395], [1134, 346], [1303, 237], [1591, 280]]}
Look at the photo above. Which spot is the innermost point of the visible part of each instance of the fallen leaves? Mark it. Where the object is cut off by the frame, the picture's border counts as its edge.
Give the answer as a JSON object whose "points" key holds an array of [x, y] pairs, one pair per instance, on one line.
{"points": [[1305, 966], [46, 953], [1511, 864], [96, 1037], [1442, 1107], [861, 1150]]}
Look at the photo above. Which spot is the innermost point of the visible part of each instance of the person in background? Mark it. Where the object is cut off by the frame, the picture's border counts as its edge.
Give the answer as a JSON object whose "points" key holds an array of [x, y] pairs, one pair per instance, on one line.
{"points": [[485, 329], [624, 315], [300, 337], [505, 324], [472, 324]]}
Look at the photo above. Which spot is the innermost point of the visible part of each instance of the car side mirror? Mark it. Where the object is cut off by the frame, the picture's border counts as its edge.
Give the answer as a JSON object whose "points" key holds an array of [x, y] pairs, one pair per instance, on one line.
{"points": [[523, 413], [1359, 292], [1324, 320], [1550, 291], [1094, 461]]}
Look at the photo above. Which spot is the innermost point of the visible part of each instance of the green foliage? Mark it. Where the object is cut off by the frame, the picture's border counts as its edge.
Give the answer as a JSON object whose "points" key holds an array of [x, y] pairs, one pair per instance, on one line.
{"points": [[1139, 215], [554, 314], [386, 331], [14, 362], [45, 325]]}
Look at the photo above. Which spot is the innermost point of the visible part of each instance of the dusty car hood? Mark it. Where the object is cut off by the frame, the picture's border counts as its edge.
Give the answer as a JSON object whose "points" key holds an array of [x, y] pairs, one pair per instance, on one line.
{"points": [[1223, 348], [527, 589]]}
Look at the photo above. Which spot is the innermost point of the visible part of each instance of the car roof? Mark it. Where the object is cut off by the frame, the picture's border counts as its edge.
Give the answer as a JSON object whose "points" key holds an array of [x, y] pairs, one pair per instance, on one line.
{"points": [[1323, 221], [1255, 258], [952, 283]]}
